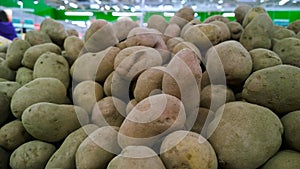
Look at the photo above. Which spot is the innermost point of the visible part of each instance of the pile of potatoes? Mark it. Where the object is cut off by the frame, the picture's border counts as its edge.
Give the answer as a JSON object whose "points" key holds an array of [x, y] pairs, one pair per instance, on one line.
{"points": [[182, 94]]}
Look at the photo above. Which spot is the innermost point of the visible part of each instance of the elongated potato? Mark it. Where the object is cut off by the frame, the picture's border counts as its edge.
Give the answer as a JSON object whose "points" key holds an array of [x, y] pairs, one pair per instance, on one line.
{"points": [[55, 30], [57, 123], [9, 88], [15, 53], [35, 37], [24, 75]]}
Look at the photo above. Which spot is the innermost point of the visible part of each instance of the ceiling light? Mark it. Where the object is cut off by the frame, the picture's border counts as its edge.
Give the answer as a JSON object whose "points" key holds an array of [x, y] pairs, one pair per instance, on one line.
{"points": [[125, 7], [73, 5], [98, 2], [62, 7], [94, 6], [116, 8], [126, 14], [169, 14], [168, 7], [282, 2], [219, 6], [35, 2], [79, 13], [132, 9], [228, 14], [137, 7], [220, 1], [20, 2], [66, 1], [106, 7], [194, 7]]}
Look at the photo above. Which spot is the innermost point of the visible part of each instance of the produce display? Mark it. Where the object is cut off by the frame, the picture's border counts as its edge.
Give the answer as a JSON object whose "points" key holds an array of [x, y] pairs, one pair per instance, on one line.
{"points": [[173, 95]]}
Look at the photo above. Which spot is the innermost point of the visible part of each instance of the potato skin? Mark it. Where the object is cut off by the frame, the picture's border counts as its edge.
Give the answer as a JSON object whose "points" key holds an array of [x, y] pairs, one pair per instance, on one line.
{"points": [[291, 124], [35, 37], [73, 46], [34, 92], [34, 52], [5, 71], [4, 156], [240, 137], [283, 159], [136, 157], [13, 134], [55, 30], [4, 108], [184, 149], [268, 86], [61, 120], [52, 65], [64, 157], [97, 150], [151, 119], [9, 88], [24, 75], [33, 154], [263, 58], [15, 53]]}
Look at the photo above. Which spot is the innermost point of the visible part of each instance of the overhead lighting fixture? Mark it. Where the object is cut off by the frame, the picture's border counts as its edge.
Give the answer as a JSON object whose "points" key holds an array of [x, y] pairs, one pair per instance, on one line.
{"points": [[98, 2], [194, 7], [132, 9], [219, 6], [228, 14], [126, 7], [73, 5], [106, 7], [62, 7], [126, 14], [196, 15], [79, 13], [282, 2], [94, 6], [35, 2], [20, 2], [169, 14], [66, 1], [220, 1], [168, 7], [116, 8]]}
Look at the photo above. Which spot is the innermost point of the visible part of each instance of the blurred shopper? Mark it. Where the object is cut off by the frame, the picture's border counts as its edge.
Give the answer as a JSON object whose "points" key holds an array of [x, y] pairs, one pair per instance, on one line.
{"points": [[7, 29]]}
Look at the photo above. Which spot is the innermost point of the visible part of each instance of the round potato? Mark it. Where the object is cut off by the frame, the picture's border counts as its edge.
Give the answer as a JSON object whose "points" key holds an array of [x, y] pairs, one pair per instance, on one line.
{"points": [[55, 30], [39, 90], [33, 154], [291, 124], [240, 136], [136, 157], [157, 22], [5, 71], [283, 159], [151, 119], [24, 75], [184, 149], [73, 46], [9, 88], [263, 58], [57, 123], [15, 53], [240, 12], [35, 37]]}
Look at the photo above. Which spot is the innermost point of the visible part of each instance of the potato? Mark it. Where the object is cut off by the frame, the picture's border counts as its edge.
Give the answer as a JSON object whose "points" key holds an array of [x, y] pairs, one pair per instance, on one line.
{"points": [[24, 75], [64, 157], [33, 154], [100, 65], [295, 26], [184, 83], [171, 43], [283, 159], [97, 150], [4, 47], [214, 96], [203, 36], [123, 27], [236, 30], [263, 58], [143, 37], [39, 90], [109, 111], [184, 149], [72, 32], [235, 66], [73, 46], [244, 135], [225, 32], [241, 12], [9, 88], [257, 34], [15, 53], [4, 156], [102, 39], [216, 18], [57, 123], [55, 30], [188, 25], [182, 45], [34, 52], [280, 32], [205, 81], [172, 30], [52, 65], [13, 134], [268, 86], [2, 55], [86, 94], [199, 124], [107, 84], [136, 157], [151, 119], [96, 25], [298, 35], [4, 108], [5, 71], [182, 16], [291, 127], [125, 53], [148, 83], [287, 51], [138, 61], [253, 13], [130, 106], [157, 22], [35, 37]]}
